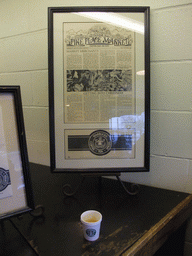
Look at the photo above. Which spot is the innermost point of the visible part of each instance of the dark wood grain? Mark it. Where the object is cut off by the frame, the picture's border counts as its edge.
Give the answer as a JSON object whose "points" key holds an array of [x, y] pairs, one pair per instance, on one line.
{"points": [[131, 225], [160, 232]]}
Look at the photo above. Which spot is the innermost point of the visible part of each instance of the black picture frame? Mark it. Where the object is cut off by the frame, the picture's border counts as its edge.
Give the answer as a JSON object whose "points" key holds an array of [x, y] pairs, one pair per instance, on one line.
{"points": [[16, 196], [62, 21]]}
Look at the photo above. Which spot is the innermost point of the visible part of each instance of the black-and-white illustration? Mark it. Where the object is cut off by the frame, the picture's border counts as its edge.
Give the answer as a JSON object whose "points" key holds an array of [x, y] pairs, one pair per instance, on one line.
{"points": [[4, 179], [105, 143], [99, 80], [99, 34]]}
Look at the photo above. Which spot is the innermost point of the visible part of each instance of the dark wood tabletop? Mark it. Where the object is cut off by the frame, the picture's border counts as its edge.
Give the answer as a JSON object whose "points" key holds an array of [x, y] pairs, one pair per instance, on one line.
{"points": [[131, 225]]}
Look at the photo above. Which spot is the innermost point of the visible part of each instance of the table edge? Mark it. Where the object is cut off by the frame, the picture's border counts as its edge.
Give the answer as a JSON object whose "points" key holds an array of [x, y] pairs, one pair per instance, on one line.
{"points": [[154, 238]]}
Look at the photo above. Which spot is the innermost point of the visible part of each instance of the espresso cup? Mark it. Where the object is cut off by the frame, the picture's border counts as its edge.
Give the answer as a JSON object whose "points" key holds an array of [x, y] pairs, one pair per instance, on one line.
{"points": [[91, 222]]}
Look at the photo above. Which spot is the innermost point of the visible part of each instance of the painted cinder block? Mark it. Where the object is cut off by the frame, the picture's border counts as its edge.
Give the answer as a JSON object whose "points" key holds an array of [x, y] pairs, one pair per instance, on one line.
{"points": [[24, 52], [171, 86], [171, 35], [36, 123], [171, 134]]}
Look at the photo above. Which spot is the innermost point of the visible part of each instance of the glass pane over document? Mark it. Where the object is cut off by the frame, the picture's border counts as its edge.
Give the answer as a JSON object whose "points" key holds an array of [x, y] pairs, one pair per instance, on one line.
{"points": [[12, 186], [103, 90]]}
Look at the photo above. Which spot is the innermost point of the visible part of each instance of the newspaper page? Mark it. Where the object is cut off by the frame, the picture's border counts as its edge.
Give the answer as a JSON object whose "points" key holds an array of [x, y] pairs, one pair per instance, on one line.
{"points": [[98, 87]]}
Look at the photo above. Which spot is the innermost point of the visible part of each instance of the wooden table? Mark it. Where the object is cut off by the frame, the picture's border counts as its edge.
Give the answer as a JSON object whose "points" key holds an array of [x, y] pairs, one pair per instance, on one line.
{"points": [[132, 225]]}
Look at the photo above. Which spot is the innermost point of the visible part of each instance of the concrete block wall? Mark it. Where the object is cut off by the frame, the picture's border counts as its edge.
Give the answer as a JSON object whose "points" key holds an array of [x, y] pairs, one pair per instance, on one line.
{"points": [[24, 62]]}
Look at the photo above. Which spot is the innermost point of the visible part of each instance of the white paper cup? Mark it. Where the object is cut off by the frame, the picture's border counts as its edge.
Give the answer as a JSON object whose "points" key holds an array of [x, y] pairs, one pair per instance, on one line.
{"points": [[91, 221]]}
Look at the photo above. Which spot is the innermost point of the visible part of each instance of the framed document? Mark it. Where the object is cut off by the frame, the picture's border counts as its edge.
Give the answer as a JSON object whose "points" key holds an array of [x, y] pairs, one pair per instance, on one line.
{"points": [[99, 89], [15, 186]]}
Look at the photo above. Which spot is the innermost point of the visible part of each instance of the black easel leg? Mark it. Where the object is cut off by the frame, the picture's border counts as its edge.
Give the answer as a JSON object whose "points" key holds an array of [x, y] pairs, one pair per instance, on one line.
{"points": [[67, 187], [134, 188]]}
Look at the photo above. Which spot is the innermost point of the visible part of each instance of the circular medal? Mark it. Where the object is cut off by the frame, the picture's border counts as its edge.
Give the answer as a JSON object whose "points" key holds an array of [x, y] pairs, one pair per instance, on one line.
{"points": [[4, 179], [100, 142]]}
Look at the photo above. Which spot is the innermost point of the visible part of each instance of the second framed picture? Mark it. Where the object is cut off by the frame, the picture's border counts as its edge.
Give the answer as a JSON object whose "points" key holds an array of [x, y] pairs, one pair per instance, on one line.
{"points": [[16, 195]]}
